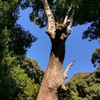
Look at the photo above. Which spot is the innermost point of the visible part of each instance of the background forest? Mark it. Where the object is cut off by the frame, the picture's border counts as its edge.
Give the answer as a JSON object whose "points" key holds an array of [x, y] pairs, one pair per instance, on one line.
{"points": [[20, 76]]}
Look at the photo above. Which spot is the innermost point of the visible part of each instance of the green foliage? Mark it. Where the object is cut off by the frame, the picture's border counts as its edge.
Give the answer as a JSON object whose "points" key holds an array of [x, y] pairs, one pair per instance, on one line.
{"points": [[38, 16], [32, 69], [20, 77], [15, 84], [83, 86], [12, 34], [96, 57], [86, 11], [28, 88], [60, 8]]}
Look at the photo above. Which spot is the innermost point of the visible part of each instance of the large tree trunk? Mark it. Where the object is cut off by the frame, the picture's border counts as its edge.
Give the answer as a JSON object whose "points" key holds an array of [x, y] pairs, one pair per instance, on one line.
{"points": [[53, 78], [58, 33]]}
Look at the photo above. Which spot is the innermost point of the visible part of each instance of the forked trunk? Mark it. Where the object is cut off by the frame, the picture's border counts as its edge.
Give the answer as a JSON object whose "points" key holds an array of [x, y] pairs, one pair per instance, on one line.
{"points": [[58, 33]]}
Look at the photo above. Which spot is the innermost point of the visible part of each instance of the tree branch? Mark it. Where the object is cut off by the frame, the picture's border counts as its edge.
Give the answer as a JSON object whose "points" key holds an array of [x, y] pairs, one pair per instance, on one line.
{"points": [[50, 19], [70, 20], [65, 74], [66, 18], [69, 29]]}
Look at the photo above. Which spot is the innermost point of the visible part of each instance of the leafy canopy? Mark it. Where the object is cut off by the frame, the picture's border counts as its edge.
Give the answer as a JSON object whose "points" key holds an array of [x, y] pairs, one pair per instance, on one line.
{"points": [[12, 34], [85, 11], [96, 57], [15, 84]]}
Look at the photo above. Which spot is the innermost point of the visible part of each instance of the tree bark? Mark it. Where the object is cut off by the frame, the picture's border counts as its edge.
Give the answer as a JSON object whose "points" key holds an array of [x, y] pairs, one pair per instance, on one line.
{"points": [[53, 78]]}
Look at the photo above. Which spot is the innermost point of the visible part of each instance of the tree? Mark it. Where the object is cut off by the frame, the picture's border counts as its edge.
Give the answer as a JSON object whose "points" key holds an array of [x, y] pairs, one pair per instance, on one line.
{"points": [[83, 86], [58, 15], [32, 69], [14, 41], [12, 34], [15, 83], [96, 57]]}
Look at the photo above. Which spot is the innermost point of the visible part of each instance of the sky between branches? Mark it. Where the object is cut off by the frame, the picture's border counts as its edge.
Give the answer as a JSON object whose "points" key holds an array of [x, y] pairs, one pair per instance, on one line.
{"points": [[76, 48]]}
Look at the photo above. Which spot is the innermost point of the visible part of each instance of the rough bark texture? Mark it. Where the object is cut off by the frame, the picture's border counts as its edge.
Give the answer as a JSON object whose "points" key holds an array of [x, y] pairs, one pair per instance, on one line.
{"points": [[53, 78]]}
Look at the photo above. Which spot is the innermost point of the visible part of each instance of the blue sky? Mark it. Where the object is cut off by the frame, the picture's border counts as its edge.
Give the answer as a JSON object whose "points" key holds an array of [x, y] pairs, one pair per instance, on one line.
{"points": [[76, 48]]}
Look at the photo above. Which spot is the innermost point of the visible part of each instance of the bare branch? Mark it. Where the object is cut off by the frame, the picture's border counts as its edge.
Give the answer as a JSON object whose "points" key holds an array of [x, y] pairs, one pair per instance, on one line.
{"points": [[69, 29], [50, 18], [65, 74], [63, 87], [66, 18], [70, 21]]}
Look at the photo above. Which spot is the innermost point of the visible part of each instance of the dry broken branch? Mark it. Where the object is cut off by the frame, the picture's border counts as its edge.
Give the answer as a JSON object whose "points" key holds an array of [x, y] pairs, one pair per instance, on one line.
{"points": [[50, 19], [65, 74], [67, 15], [69, 29]]}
